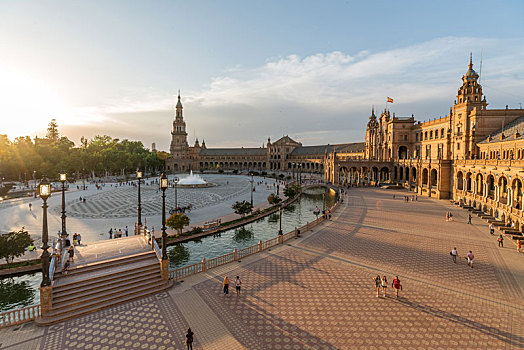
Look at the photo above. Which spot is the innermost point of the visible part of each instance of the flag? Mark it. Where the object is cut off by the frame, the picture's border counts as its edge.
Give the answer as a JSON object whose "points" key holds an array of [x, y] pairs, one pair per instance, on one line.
{"points": [[390, 100]]}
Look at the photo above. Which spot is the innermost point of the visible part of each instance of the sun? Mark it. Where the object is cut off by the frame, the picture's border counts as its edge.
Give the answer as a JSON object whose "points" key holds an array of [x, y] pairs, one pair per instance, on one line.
{"points": [[27, 104]]}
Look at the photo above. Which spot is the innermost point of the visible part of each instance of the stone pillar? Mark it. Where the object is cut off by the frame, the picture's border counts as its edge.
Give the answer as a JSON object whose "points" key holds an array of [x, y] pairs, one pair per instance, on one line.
{"points": [[235, 254], [474, 187], [464, 185], [204, 265], [46, 299], [510, 197], [497, 193], [260, 247], [280, 239], [164, 269]]}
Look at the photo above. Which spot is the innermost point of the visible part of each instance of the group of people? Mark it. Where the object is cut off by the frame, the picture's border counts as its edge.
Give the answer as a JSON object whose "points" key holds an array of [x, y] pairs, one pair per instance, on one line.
{"points": [[238, 285], [449, 216], [382, 284], [469, 257], [118, 233]]}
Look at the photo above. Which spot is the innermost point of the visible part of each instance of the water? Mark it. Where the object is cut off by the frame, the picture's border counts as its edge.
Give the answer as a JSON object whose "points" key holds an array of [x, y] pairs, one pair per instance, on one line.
{"points": [[21, 291], [294, 215]]}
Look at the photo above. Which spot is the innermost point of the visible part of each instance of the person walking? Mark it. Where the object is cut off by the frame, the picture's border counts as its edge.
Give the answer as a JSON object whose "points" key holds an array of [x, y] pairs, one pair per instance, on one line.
{"points": [[226, 285], [377, 285], [491, 229], [501, 241], [111, 233], [238, 284], [453, 254], [71, 253], [519, 245], [127, 232], [396, 284], [384, 285], [79, 239], [447, 216], [469, 219], [189, 339], [470, 258]]}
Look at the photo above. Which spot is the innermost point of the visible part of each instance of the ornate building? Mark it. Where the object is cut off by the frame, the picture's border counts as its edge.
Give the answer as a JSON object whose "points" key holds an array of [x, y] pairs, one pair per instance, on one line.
{"points": [[473, 154], [284, 154]]}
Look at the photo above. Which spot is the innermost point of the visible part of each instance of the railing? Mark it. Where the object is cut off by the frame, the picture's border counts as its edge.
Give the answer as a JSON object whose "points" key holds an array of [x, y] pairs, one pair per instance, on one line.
{"points": [[185, 271], [52, 268], [56, 261], [157, 250], [220, 260], [13, 317], [204, 265]]}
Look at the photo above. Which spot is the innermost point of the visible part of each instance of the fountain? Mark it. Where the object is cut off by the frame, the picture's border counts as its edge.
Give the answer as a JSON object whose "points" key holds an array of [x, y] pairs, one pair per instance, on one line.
{"points": [[192, 180]]}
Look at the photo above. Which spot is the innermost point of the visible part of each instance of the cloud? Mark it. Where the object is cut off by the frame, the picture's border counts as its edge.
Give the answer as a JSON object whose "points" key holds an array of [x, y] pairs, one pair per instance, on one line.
{"points": [[325, 97]]}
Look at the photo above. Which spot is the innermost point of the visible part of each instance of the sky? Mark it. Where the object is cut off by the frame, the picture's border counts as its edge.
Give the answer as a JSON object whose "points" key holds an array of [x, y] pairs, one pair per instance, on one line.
{"points": [[247, 70]]}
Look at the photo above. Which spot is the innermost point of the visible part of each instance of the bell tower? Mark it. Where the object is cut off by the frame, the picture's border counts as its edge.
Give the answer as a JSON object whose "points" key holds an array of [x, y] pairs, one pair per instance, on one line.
{"points": [[464, 122], [179, 146]]}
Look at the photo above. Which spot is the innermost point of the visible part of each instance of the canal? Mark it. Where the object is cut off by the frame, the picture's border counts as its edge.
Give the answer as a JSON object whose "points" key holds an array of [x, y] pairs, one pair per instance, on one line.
{"points": [[21, 291]]}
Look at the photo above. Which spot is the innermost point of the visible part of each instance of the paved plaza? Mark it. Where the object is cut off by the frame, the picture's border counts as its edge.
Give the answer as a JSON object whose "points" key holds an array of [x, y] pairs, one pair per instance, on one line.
{"points": [[115, 206], [318, 291]]}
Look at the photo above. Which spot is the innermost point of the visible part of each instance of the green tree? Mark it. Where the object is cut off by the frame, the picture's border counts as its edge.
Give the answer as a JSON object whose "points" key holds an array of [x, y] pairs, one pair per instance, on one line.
{"points": [[292, 190], [273, 199], [177, 222], [242, 208], [14, 244], [52, 131]]}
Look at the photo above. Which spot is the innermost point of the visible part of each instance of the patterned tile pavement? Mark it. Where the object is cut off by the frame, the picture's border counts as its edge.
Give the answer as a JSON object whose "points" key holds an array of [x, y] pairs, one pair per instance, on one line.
{"points": [[318, 292]]}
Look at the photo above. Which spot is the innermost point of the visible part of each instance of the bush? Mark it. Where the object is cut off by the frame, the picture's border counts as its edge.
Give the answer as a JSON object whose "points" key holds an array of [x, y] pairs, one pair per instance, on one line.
{"points": [[281, 176], [242, 208], [288, 177], [177, 222], [5, 189], [220, 171], [264, 173], [235, 171], [292, 190], [273, 199]]}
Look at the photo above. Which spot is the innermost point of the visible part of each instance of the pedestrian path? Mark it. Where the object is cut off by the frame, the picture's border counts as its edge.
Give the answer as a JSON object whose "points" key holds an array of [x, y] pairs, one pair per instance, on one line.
{"points": [[318, 291]]}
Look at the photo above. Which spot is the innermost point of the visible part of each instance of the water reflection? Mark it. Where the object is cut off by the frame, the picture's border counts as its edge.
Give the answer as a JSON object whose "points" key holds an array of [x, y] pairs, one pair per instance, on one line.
{"points": [[178, 255], [18, 292], [243, 234]]}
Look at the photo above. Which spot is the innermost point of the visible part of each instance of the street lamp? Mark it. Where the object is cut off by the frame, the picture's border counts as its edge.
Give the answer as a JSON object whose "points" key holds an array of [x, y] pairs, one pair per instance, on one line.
{"points": [[63, 178], [251, 189], [44, 190], [163, 187], [176, 198], [280, 214], [139, 208]]}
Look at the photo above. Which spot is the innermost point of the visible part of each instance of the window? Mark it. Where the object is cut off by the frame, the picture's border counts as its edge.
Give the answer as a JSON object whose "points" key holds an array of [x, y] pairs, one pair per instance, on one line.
{"points": [[416, 136], [458, 145], [442, 133], [431, 134]]}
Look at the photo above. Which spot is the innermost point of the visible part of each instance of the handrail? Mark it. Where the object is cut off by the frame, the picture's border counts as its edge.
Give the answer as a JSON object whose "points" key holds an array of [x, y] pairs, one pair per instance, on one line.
{"points": [[157, 249], [18, 316], [52, 268]]}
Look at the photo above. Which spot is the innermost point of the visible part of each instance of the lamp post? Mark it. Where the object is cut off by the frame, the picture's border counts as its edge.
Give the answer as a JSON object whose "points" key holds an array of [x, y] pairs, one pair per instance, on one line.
{"points": [[280, 215], [300, 173], [139, 207], [45, 191], [63, 178], [251, 189], [176, 196], [163, 187]]}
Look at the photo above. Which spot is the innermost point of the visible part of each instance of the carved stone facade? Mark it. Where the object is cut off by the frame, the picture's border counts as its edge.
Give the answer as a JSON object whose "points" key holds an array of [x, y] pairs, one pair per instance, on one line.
{"points": [[473, 154]]}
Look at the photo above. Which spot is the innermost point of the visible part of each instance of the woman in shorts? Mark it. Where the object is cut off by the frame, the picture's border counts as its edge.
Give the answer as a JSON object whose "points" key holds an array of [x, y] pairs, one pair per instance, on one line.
{"points": [[384, 285], [238, 284], [377, 284]]}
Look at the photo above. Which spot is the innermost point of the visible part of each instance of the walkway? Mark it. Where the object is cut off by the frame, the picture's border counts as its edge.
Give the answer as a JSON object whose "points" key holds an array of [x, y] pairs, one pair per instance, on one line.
{"points": [[318, 292]]}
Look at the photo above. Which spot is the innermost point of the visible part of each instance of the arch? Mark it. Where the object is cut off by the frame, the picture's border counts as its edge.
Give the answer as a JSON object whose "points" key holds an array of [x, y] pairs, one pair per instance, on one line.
{"points": [[516, 192], [425, 177], [406, 173], [503, 189], [460, 181], [480, 184], [434, 177], [414, 174], [401, 174], [402, 152], [469, 182], [384, 174]]}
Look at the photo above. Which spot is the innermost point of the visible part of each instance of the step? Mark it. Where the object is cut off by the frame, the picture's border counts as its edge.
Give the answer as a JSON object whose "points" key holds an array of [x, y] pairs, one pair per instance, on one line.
{"points": [[110, 274], [75, 293], [96, 295], [102, 299], [105, 263], [49, 319]]}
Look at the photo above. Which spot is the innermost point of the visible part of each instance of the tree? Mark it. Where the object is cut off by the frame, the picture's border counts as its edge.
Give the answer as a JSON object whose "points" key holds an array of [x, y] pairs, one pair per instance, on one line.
{"points": [[273, 199], [14, 244], [177, 222], [242, 208], [292, 190], [52, 131]]}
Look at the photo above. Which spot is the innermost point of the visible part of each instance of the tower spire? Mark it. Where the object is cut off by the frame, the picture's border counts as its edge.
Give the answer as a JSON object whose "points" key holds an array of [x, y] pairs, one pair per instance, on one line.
{"points": [[470, 60]]}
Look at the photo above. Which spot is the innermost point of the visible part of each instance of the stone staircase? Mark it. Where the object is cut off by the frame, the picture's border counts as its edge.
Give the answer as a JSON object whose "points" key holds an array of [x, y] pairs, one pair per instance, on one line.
{"points": [[102, 284]]}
